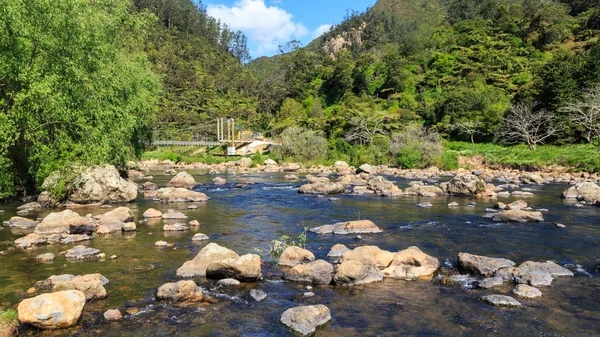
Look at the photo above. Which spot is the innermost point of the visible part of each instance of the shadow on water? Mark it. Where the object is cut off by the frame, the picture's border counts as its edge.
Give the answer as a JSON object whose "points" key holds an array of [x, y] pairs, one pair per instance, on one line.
{"points": [[250, 211]]}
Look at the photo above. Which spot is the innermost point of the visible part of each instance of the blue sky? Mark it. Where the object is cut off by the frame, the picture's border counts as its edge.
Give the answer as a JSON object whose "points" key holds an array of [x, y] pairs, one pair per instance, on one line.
{"points": [[270, 23]]}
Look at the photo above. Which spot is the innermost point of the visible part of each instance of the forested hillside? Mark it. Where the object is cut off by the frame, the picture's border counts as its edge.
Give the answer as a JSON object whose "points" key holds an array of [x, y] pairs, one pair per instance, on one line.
{"points": [[466, 69]]}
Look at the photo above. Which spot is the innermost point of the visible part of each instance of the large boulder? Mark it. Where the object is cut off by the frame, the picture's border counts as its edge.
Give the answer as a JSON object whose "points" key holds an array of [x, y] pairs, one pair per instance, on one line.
{"points": [[245, 268], [293, 255], [466, 184], [517, 215], [322, 187], [98, 184], [66, 221], [184, 180], [317, 272], [348, 227], [352, 272], [172, 194], [52, 311], [587, 191], [210, 253], [305, 319], [481, 265], [182, 291], [412, 264], [369, 255]]}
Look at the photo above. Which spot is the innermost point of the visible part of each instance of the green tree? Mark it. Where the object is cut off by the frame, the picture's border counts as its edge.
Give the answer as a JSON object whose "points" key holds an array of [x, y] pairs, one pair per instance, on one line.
{"points": [[75, 87]]}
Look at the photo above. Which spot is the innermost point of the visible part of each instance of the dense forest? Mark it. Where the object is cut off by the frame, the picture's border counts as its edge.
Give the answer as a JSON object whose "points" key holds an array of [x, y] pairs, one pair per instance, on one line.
{"points": [[92, 81]]}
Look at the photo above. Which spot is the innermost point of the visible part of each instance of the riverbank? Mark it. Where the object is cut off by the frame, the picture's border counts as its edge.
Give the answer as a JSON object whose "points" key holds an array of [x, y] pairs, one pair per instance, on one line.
{"points": [[546, 158]]}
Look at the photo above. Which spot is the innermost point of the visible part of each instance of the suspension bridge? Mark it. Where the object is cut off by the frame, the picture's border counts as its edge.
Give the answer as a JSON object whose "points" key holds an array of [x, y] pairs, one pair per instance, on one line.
{"points": [[237, 139]]}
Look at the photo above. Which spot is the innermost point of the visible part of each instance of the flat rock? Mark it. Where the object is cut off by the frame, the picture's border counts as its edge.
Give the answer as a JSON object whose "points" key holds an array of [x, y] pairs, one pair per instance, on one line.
{"points": [[548, 267], [305, 319], [177, 227], [293, 255], [490, 282], [52, 311], [82, 253], [317, 272], [501, 300], [172, 194], [20, 222], [67, 221], [515, 215], [482, 265], [525, 291], [348, 227]]}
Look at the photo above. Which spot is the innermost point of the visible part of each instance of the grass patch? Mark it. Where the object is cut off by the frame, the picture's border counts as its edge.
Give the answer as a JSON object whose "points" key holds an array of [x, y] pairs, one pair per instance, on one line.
{"points": [[8, 316], [578, 157]]}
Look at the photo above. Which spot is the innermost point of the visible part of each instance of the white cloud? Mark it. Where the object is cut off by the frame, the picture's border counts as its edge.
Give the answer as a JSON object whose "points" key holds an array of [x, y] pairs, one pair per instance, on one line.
{"points": [[265, 26], [321, 30]]}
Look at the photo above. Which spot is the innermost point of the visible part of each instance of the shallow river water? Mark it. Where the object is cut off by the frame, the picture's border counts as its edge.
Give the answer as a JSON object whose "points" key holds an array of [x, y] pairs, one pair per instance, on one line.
{"points": [[248, 219]]}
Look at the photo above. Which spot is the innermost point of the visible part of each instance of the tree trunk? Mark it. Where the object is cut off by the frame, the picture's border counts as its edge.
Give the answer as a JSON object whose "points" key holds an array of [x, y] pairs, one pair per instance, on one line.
{"points": [[472, 142]]}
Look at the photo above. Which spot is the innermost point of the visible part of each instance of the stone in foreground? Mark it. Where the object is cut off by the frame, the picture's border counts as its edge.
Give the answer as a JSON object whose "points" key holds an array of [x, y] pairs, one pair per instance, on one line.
{"points": [[305, 319], [501, 301], [52, 311], [182, 291]]}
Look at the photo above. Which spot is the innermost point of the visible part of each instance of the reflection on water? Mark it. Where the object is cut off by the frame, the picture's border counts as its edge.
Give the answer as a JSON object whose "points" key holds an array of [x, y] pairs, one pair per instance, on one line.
{"points": [[247, 218]]}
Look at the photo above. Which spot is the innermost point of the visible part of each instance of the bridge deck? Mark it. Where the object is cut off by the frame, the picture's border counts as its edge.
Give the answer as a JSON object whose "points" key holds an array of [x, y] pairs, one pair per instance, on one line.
{"points": [[204, 142]]}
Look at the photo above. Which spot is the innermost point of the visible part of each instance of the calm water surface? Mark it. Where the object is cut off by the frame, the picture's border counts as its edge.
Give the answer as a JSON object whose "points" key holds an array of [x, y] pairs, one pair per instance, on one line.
{"points": [[248, 219]]}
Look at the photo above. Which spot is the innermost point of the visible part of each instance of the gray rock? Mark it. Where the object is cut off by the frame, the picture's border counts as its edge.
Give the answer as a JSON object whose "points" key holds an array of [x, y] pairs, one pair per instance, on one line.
{"points": [[490, 282], [228, 282], [48, 257], [501, 300], [482, 265], [258, 295], [526, 291], [317, 272], [83, 253], [305, 319], [540, 268], [199, 237]]}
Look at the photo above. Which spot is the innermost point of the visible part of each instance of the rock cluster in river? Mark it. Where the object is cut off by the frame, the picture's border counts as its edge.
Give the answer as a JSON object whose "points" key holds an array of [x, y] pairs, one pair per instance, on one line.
{"points": [[348, 227]]}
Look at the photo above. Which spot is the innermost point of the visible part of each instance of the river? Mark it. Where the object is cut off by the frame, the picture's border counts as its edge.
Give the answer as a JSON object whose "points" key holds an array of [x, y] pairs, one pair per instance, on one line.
{"points": [[247, 220]]}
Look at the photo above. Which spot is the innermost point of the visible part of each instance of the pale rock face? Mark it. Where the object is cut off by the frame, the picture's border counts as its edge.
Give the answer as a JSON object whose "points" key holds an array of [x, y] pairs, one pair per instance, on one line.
{"points": [[317, 272], [100, 184], [120, 214], [466, 184], [501, 301], [412, 264], [352, 272], [482, 265], [322, 187], [515, 215], [369, 255], [587, 191], [182, 291], [172, 194], [525, 291], [52, 311], [305, 319], [210, 253], [348, 227], [67, 221], [183, 180], [293, 255], [245, 268]]}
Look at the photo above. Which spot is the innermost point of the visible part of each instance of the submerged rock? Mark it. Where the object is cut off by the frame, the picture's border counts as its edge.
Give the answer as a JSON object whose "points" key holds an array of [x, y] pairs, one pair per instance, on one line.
{"points": [[245, 268], [52, 311], [183, 180], [317, 272], [353, 272], [83, 253], [305, 319], [209, 254], [412, 264], [293, 255], [181, 291], [337, 250], [258, 295], [501, 300], [481, 265], [348, 227]]}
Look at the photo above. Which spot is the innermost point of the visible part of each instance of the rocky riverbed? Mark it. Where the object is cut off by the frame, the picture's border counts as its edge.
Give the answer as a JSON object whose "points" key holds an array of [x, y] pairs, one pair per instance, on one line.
{"points": [[446, 269]]}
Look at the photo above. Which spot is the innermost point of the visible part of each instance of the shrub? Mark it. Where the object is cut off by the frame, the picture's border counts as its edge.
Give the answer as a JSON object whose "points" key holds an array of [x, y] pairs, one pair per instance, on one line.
{"points": [[302, 143], [415, 147]]}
